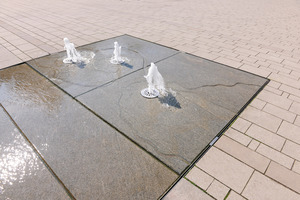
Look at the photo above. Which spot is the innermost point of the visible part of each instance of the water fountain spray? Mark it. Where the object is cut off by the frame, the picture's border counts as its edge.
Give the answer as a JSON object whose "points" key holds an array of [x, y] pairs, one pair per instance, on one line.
{"points": [[73, 55], [156, 84], [117, 59]]}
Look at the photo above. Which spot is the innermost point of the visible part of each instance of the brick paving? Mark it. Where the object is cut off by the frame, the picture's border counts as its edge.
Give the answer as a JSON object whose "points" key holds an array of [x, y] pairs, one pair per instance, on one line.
{"points": [[259, 156]]}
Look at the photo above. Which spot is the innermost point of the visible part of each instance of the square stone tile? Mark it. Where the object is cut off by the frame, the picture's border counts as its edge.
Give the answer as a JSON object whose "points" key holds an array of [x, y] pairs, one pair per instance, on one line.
{"points": [[208, 96], [76, 79], [22, 174], [92, 159]]}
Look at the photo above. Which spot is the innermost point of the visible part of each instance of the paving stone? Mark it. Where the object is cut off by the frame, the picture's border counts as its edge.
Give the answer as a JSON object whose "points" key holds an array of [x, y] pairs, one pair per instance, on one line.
{"points": [[262, 187], [204, 104], [290, 90], [234, 196], [253, 144], [265, 136], [238, 136], [229, 62], [284, 176], [285, 80], [292, 149], [274, 84], [218, 190], [261, 118], [241, 125], [91, 158], [77, 79], [184, 190], [290, 131], [255, 70], [200, 178], [239, 151], [273, 90], [257, 103], [295, 108], [297, 121], [22, 174], [275, 155], [296, 167], [216, 162], [279, 112], [274, 99]]}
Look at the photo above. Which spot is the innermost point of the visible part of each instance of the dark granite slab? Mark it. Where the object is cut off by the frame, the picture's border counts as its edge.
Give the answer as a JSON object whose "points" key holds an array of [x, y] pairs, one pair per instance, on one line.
{"points": [[78, 79], [208, 96], [92, 159], [22, 174]]}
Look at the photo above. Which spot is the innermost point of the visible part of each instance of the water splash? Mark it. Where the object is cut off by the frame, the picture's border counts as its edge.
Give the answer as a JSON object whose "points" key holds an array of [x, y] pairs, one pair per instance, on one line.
{"points": [[116, 58], [156, 84], [73, 56]]}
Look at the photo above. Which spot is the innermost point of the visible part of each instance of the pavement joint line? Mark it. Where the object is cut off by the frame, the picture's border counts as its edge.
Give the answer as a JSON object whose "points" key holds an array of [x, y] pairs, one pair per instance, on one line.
{"points": [[39, 155]]}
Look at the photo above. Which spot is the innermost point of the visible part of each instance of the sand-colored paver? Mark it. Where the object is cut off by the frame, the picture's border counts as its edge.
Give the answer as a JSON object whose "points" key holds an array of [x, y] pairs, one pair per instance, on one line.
{"points": [[239, 151], [253, 144], [238, 136], [241, 125], [290, 131], [234, 196], [275, 155], [184, 190], [218, 190], [292, 149], [262, 118], [261, 187], [216, 163], [284, 176], [265, 136], [296, 167], [200, 178]]}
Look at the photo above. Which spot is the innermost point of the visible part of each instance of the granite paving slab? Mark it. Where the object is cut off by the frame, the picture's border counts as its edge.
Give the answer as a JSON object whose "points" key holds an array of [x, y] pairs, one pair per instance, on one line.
{"points": [[176, 128], [22, 173], [77, 79], [93, 160]]}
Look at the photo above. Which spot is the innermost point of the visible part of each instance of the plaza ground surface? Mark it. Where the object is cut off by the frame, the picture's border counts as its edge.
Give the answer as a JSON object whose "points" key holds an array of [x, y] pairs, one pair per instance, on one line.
{"points": [[258, 157]]}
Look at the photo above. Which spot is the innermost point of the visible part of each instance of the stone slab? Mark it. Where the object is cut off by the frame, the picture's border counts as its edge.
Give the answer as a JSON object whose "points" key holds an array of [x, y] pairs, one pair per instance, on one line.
{"points": [[177, 128], [92, 159], [22, 173], [76, 79]]}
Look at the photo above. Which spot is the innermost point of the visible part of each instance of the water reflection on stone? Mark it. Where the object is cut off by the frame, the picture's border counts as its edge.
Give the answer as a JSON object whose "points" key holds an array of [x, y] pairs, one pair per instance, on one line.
{"points": [[17, 160], [23, 86]]}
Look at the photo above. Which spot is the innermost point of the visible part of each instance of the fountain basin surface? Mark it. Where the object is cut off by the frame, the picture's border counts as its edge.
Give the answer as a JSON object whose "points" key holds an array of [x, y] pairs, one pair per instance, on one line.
{"points": [[103, 138], [209, 96], [77, 79], [91, 158]]}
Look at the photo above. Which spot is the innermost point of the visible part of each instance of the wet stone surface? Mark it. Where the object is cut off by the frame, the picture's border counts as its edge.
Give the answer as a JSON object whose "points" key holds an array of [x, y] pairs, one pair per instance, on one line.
{"points": [[22, 174], [178, 127], [91, 158], [79, 78]]}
